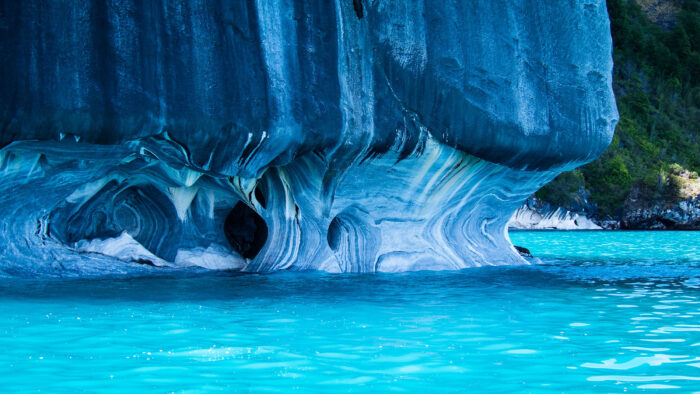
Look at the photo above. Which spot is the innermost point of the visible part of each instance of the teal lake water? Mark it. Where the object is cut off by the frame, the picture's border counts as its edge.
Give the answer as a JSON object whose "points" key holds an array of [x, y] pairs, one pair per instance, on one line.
{"points": [[604, 311]]}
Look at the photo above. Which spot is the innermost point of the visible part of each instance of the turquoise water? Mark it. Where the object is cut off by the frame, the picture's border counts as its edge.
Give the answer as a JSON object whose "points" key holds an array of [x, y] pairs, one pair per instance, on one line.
{"points": [[605, 311]]}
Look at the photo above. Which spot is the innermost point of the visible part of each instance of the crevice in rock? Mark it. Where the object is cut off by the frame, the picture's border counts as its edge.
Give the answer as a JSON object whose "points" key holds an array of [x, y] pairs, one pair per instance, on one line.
{"points": [[260, 195], [334, 233], [359, 11], [245, 230]]}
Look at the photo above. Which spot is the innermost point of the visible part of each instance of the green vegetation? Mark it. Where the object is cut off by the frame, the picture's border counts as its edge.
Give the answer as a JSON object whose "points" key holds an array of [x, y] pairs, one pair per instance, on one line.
{"points": [[656, 80]]}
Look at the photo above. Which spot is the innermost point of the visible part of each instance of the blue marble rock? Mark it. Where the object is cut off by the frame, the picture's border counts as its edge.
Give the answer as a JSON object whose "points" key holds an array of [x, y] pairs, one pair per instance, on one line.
{"points": [[345, 136]]}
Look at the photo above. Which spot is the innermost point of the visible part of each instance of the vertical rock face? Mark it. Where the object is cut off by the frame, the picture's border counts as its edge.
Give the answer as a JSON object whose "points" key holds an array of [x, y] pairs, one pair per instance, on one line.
{"points": [[265, 135]]}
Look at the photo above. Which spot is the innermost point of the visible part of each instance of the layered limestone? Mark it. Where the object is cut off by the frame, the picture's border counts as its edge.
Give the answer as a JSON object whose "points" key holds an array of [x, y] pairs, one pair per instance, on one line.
{"points": [[346, 136]]}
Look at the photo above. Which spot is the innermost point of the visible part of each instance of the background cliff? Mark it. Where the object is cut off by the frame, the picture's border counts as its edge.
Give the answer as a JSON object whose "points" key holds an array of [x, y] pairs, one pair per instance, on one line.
{"points": [[652, 164]]}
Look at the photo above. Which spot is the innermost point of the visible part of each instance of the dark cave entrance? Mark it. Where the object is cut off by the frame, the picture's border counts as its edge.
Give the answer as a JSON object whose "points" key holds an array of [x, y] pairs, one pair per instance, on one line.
{"points": [[335, 230], [245, 230]]}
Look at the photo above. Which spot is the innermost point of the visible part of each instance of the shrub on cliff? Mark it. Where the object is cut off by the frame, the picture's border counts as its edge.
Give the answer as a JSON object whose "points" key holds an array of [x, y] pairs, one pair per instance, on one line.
{"points": [[657, 85]]}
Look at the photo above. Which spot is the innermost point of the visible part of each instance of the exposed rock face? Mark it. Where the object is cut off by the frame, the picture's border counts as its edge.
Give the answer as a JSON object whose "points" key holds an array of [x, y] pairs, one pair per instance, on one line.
{"points": [[684, 215], [365, 135], [677, 209], [541, 216], [663, 13]]}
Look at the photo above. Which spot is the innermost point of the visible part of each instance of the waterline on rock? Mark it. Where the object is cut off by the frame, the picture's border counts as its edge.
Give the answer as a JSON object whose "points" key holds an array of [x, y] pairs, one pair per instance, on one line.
{"points": [[437, 208]]}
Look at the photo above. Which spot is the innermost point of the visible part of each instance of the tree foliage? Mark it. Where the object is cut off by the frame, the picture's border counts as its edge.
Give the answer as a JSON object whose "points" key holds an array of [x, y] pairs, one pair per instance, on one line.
{"points": [[656, 80]]}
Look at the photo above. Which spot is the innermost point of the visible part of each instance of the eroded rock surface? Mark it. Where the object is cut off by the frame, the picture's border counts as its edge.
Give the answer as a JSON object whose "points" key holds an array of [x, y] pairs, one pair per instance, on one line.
{"points": [[350, 135]]}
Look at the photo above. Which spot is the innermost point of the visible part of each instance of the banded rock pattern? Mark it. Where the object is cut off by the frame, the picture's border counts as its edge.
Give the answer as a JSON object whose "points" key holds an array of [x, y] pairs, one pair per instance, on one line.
{"points": [[264, 135]]}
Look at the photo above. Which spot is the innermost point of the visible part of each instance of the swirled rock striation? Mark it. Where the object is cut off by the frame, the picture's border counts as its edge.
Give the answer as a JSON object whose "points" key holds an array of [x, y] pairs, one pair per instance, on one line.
{"points": [[345, 136]]}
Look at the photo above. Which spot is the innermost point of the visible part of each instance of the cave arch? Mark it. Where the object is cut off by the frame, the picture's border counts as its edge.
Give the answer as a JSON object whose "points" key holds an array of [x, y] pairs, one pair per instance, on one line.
{"points": [[142, 210], [245, 230], [354, 240]]}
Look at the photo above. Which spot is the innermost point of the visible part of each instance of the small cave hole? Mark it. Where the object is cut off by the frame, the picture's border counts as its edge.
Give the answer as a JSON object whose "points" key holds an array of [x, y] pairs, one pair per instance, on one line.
{"points": [[245, 230], [334, 232], [357, 5], [145, 262], [260, 195]]}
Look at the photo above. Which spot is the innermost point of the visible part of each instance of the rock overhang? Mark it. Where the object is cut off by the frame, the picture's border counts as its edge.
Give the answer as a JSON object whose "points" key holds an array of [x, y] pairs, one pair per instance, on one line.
{"points": [[312, 109]]}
